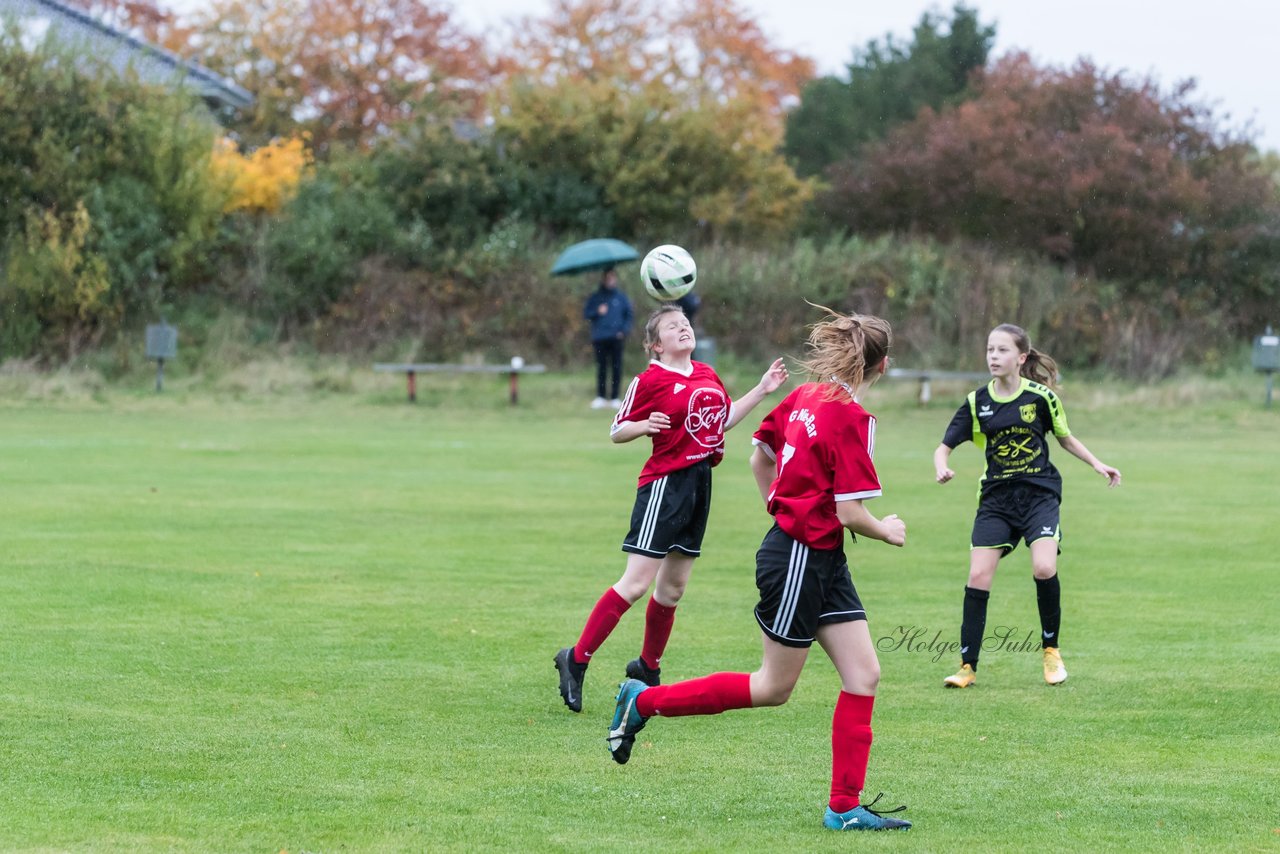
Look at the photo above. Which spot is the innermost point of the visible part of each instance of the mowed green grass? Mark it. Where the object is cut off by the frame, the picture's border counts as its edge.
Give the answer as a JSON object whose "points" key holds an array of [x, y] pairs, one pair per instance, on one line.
{"points": [[328, 624]]}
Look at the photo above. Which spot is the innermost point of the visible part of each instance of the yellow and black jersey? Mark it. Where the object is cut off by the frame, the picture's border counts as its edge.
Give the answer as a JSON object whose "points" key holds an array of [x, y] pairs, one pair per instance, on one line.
{"points": [[1013, 432]]}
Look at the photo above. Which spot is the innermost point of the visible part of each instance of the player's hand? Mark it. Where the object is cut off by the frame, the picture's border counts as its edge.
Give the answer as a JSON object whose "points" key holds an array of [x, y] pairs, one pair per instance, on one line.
{"points": [[774, 377], [897, 530], [1111, 474], [945, 474], [658, 421], [603, 309]]}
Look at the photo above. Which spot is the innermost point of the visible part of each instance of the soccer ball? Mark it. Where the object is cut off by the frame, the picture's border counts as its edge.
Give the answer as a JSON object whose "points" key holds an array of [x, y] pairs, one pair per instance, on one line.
{"points": [[668, 273]]}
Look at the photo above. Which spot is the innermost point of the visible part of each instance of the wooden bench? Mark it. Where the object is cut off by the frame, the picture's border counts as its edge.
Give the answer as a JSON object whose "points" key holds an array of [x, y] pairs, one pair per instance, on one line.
{"points": [[926, 377], [411, 371]]}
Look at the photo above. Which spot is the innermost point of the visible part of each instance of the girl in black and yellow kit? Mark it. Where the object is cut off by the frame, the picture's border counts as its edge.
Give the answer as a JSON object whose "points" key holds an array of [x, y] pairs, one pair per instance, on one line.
{"points": [[1011, 417]]}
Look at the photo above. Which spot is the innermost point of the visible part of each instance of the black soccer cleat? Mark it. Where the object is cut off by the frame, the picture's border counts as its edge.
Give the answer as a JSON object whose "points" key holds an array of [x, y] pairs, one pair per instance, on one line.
{"points": [[637, 669], [571, 673]]}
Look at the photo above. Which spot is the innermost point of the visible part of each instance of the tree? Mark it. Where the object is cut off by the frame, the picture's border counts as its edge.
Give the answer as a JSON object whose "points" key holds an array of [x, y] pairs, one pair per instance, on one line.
{"points": [[257, 45], [145, 19], [703, 50], [659, 167], [1089, 168], [109, 203], [261, 182], [344, 71], [887, 85]]}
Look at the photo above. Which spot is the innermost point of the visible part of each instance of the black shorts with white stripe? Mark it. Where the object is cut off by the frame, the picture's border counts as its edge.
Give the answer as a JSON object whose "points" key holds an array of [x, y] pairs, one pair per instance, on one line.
{"points": [[801, 589], [670, 513]]}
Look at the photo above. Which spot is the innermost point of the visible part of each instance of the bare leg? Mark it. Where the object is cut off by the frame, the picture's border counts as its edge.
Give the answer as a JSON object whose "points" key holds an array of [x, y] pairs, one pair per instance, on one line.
{"points": [[640, 572], [780, 667]]}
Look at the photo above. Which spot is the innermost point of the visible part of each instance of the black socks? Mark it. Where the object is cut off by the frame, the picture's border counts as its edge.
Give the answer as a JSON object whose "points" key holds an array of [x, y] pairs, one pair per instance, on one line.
{"points": [[1049, 601], [973, 624]]}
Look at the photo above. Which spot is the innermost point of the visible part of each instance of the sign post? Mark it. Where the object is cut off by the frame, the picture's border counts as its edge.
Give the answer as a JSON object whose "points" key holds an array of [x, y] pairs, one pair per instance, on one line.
{"points": [[1266, 357], [162, 343]]}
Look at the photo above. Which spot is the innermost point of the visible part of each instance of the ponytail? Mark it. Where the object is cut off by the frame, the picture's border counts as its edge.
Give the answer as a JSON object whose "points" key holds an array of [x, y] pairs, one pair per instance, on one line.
{"points": [[844, 347]]}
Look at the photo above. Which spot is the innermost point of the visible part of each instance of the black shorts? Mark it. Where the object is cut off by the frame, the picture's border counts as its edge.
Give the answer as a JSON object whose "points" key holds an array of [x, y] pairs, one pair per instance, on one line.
{"points": [[801, 589], [1017, 511], [670, 513]]}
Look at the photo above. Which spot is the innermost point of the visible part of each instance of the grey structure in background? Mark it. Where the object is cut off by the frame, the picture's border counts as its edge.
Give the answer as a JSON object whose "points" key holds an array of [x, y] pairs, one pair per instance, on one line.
{"points": [[153, 64]]}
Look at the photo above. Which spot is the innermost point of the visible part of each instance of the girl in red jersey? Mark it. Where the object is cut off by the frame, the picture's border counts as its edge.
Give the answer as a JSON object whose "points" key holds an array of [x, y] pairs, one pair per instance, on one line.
{"points": [[682, 405], [813, 464]]}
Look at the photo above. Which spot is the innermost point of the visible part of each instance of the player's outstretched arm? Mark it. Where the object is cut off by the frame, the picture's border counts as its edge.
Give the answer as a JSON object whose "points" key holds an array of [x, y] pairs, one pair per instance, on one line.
{"points": [[772, 380], [1075, 447], [856, 517], [941, 456]]}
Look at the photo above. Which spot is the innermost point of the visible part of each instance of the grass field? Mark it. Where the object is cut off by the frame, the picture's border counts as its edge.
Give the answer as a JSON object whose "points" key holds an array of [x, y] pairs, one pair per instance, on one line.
{"points": [[326, 622]]}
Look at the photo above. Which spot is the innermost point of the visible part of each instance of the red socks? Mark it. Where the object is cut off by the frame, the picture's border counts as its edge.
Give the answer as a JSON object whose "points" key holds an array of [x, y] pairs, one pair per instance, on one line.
{"points": [[709, 695], [850, 749], [658, 620], [604, 617]]}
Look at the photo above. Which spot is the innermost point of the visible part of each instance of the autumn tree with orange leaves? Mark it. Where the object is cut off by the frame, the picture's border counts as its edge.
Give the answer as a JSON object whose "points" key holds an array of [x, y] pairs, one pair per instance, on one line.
{"points": [[344, 71], [703, 50], [145, 19], [668, 117]]}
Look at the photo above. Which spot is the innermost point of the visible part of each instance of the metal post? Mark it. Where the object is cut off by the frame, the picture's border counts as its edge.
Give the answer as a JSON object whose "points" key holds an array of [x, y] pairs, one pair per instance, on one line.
{"points": [[159, 375], [413, 387], [515, 391]]}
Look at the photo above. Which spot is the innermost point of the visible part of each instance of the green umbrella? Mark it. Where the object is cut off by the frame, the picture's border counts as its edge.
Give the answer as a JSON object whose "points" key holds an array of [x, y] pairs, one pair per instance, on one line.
{"points": [[594, 254]]}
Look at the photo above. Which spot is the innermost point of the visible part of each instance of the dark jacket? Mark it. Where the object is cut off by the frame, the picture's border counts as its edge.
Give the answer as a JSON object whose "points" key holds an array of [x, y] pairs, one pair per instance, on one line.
{"points": [[614, 322]]}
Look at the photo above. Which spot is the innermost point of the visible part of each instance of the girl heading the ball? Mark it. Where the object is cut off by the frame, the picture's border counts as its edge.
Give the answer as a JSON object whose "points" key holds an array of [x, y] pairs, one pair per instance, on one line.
{"points": [[813, 465], [682, 406], [1011, 418]]}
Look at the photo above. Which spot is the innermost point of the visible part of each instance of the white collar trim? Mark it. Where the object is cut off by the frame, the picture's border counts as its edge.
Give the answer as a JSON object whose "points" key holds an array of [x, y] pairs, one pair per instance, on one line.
{"points": [[673, 370]]}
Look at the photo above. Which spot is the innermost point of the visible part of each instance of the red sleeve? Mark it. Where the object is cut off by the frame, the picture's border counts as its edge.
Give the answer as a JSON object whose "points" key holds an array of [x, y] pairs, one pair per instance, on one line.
{"points": [[638, 398], [772, 431], [854, 473]]}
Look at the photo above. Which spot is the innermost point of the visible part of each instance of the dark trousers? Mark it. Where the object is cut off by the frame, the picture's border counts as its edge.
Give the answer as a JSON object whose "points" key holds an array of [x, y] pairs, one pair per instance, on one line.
{"points": [[608, 361]]}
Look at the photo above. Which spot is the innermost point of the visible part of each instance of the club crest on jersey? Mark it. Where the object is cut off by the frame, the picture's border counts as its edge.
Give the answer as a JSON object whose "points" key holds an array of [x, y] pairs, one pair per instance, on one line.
{"points": [[707, 414], [1028, 412]]}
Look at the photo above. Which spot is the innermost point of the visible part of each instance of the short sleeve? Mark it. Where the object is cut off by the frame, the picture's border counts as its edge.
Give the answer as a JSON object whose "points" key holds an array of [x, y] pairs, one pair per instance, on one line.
{"points": [[637, 399], [960, 430], [854, 473], [1057, 415], [770, 435]]}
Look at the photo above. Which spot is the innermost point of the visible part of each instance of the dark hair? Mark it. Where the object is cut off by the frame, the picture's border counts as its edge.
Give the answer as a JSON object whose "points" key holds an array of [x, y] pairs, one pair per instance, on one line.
{"points": [[844, 346], [1039, 367]]}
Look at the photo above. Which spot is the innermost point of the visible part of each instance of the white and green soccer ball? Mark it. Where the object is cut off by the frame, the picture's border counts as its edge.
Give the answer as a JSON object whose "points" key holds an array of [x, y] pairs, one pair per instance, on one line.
{"points": [[668, 272]]}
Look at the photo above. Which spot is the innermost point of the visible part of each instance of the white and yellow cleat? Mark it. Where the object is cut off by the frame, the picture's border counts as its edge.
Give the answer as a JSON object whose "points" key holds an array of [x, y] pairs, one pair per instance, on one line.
{"points": [[963, 678], [1054, 672]]}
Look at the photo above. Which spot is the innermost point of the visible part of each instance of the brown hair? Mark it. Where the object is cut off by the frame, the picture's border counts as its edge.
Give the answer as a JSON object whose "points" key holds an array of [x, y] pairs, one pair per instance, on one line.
{"points": [[1039, 367], [843, 347], [651, 325]]}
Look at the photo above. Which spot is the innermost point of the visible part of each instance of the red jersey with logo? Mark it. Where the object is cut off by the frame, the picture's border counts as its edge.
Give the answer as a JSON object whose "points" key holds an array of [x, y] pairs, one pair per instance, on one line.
{"points": [[698, 407], [823, 450]]}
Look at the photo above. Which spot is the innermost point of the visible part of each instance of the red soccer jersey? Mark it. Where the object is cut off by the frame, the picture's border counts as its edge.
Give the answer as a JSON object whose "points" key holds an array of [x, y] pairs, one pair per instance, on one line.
{"points": [[823, 451], [698, 406]]}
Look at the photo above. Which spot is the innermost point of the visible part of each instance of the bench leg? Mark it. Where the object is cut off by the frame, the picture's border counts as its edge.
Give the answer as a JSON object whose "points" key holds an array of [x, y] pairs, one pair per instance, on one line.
{"points": [[413, 387]]}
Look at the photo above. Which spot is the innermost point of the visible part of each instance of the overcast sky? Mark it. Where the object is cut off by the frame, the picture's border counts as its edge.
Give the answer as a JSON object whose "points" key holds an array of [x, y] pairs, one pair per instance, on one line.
{"points": [[1230, 47]]}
